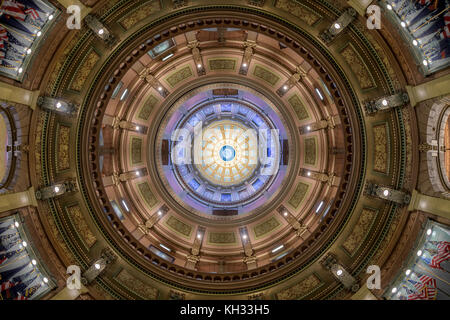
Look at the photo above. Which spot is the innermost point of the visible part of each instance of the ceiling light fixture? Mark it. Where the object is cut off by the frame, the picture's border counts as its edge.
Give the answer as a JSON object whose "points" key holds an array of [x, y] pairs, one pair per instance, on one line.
{"points": [[384, 102], [419, 253], [339, 272], [56, 189], [429, 231], [337, 26], [101, 31], [278, 248], [408, 272], [167, 57], [97, 266]]}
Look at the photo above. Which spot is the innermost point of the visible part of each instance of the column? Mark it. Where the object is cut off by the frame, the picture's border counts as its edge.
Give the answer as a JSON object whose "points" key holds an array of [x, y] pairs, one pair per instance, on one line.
{"points": [[15, 94], [429, 90], [11, 201], [69, 294], [363, 294], [436, 206], [360, 5], [83, 9]]}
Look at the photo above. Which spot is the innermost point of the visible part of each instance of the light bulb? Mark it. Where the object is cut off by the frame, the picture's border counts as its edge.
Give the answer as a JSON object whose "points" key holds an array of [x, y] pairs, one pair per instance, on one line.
{"points": [[58, 105], [160, 88], [101, 31], [45, 280], [24, 243], [50, 17], [389, 7], [20, 70], [428, 231], [337, 25], [419, 253], [339, 272], [28, 51], [39, 33], [33, 262], [244, 65], [386, 193], [16, 224], [56, 189], [384, 102], [408, 272], [415, 43], [97, 266], [394, 290]]}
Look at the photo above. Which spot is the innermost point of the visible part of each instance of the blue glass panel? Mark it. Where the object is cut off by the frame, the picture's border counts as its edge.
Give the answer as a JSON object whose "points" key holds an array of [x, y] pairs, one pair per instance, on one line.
{"points": [[257, 184], [194, 184], [226, 197]]}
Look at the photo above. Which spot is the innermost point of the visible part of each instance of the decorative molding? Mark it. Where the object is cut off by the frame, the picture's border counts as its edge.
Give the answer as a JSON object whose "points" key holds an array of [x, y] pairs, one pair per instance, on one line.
{"points": [[360, 230], [179, 226], [62, 148], [139, 14], [358, 67], [136, 150], [147, 194], [299, 194], [179, 76], [381, 148], [301, 289], [310, 151], [298, 10], [147, 107], [266, 227], [266, 75], [135, 285], [85, 67], [299, 108], [82, 228]]}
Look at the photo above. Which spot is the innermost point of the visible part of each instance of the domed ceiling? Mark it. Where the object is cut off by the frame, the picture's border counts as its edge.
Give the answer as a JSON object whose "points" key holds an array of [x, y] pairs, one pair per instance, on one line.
{"points": [[223, 151]]}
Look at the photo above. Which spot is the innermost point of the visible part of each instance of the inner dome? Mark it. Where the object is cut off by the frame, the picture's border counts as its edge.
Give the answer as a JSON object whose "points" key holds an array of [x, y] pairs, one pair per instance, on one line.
{"points": [[225, 151]]}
